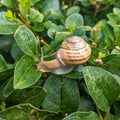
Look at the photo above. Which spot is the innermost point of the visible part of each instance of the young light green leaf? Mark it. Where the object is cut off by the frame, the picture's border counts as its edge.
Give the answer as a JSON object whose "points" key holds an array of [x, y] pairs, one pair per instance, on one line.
{"points": [[3, 64], [26, 40], [24, 6], [62, 94], [6, 26], [25, 73], [82, 116], [103, 86]]}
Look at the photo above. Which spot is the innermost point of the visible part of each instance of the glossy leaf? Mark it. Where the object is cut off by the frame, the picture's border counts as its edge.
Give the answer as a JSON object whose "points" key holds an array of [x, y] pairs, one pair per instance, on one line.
{"points": [[62, 94], [26, 40], [82, 116], [103, 87], [6, 26], [25, 73], [34, 95]]}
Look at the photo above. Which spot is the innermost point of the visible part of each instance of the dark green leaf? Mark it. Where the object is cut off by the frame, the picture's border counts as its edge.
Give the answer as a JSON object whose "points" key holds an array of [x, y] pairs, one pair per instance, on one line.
{"points": [[85, 104], [62, 94], [82, 116], [24, 112], [25, 73], [103, 86], [33, 95], [6, 42], [26, 40], [16, 52], [6, 26], [5, 75], [3, 64], [111, 63]]}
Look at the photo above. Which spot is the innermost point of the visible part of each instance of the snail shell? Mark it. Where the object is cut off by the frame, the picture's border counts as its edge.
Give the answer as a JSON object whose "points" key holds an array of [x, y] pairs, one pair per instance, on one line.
{"points": [[74, 51]]}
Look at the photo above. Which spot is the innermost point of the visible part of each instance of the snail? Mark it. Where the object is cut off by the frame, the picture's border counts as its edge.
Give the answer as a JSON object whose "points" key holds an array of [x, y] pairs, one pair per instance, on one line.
{"points": [[74, 51]]}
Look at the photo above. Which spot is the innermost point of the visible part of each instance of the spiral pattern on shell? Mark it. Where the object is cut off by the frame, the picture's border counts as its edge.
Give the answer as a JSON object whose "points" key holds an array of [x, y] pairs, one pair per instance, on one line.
{"points": [[74, 51]]}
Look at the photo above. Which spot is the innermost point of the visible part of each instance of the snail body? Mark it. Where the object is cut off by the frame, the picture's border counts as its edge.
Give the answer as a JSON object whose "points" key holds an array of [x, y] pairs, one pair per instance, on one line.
{"points": [[74, 51]]}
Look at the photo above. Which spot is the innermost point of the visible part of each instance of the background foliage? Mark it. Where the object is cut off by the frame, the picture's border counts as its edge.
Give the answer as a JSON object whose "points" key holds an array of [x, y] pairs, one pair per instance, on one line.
{"points": [[31, 30]]}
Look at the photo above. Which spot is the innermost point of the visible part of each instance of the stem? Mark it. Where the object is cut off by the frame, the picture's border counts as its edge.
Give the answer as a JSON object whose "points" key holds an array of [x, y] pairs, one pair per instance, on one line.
{"points": [[95, 35], [99, 113], [107, 114]]}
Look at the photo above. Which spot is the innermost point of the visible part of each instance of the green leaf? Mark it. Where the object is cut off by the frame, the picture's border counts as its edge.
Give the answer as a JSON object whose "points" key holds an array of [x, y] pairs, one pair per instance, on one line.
{"points": [[34, 95], [25, 73], [6, 26], [5, 75], [116, 11], [103, 87], [111, 63], [76, 73], [113, 117], [16, 52], [75, 19], [60, 36], [82, 116], [33, 2], [26, 40], [61, 95], [6, 42], [73, 10], [9, 3], [117, 34], [8, 88], [24, 7], [35, 16], [24, 112], [3, 64], [85, 104], [50, 5], [113, 19]]}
